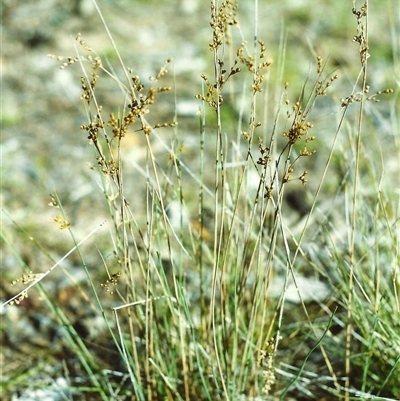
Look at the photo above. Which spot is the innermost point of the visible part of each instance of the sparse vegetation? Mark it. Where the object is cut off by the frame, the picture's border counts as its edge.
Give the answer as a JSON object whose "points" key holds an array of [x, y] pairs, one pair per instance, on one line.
{"points": [[251, 253]]}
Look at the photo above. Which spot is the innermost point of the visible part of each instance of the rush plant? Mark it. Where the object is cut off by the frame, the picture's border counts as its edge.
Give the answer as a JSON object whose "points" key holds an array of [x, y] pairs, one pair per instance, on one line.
{"points": [[264, 264]]}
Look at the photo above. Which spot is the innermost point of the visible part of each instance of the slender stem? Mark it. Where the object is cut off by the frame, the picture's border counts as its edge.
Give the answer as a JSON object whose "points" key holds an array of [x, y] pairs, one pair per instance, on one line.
{"points": [[363, 48]]}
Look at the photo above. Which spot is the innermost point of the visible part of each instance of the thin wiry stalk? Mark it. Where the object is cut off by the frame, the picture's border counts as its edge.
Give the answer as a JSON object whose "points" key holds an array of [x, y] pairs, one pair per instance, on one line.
{"points": [[363, 32]]}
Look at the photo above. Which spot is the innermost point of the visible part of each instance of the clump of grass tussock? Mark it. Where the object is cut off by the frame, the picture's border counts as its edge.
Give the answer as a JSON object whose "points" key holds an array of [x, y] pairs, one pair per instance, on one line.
{"points": [[188, 298]]}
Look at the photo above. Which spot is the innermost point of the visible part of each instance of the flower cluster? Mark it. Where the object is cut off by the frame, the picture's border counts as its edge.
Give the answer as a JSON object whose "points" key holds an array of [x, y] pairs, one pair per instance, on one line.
{"points": [[267, 360], [113, 280]]}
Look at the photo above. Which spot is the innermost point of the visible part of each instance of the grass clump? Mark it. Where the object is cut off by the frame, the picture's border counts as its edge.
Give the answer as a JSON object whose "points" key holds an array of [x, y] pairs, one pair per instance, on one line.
{"points": [[239, 271]]}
